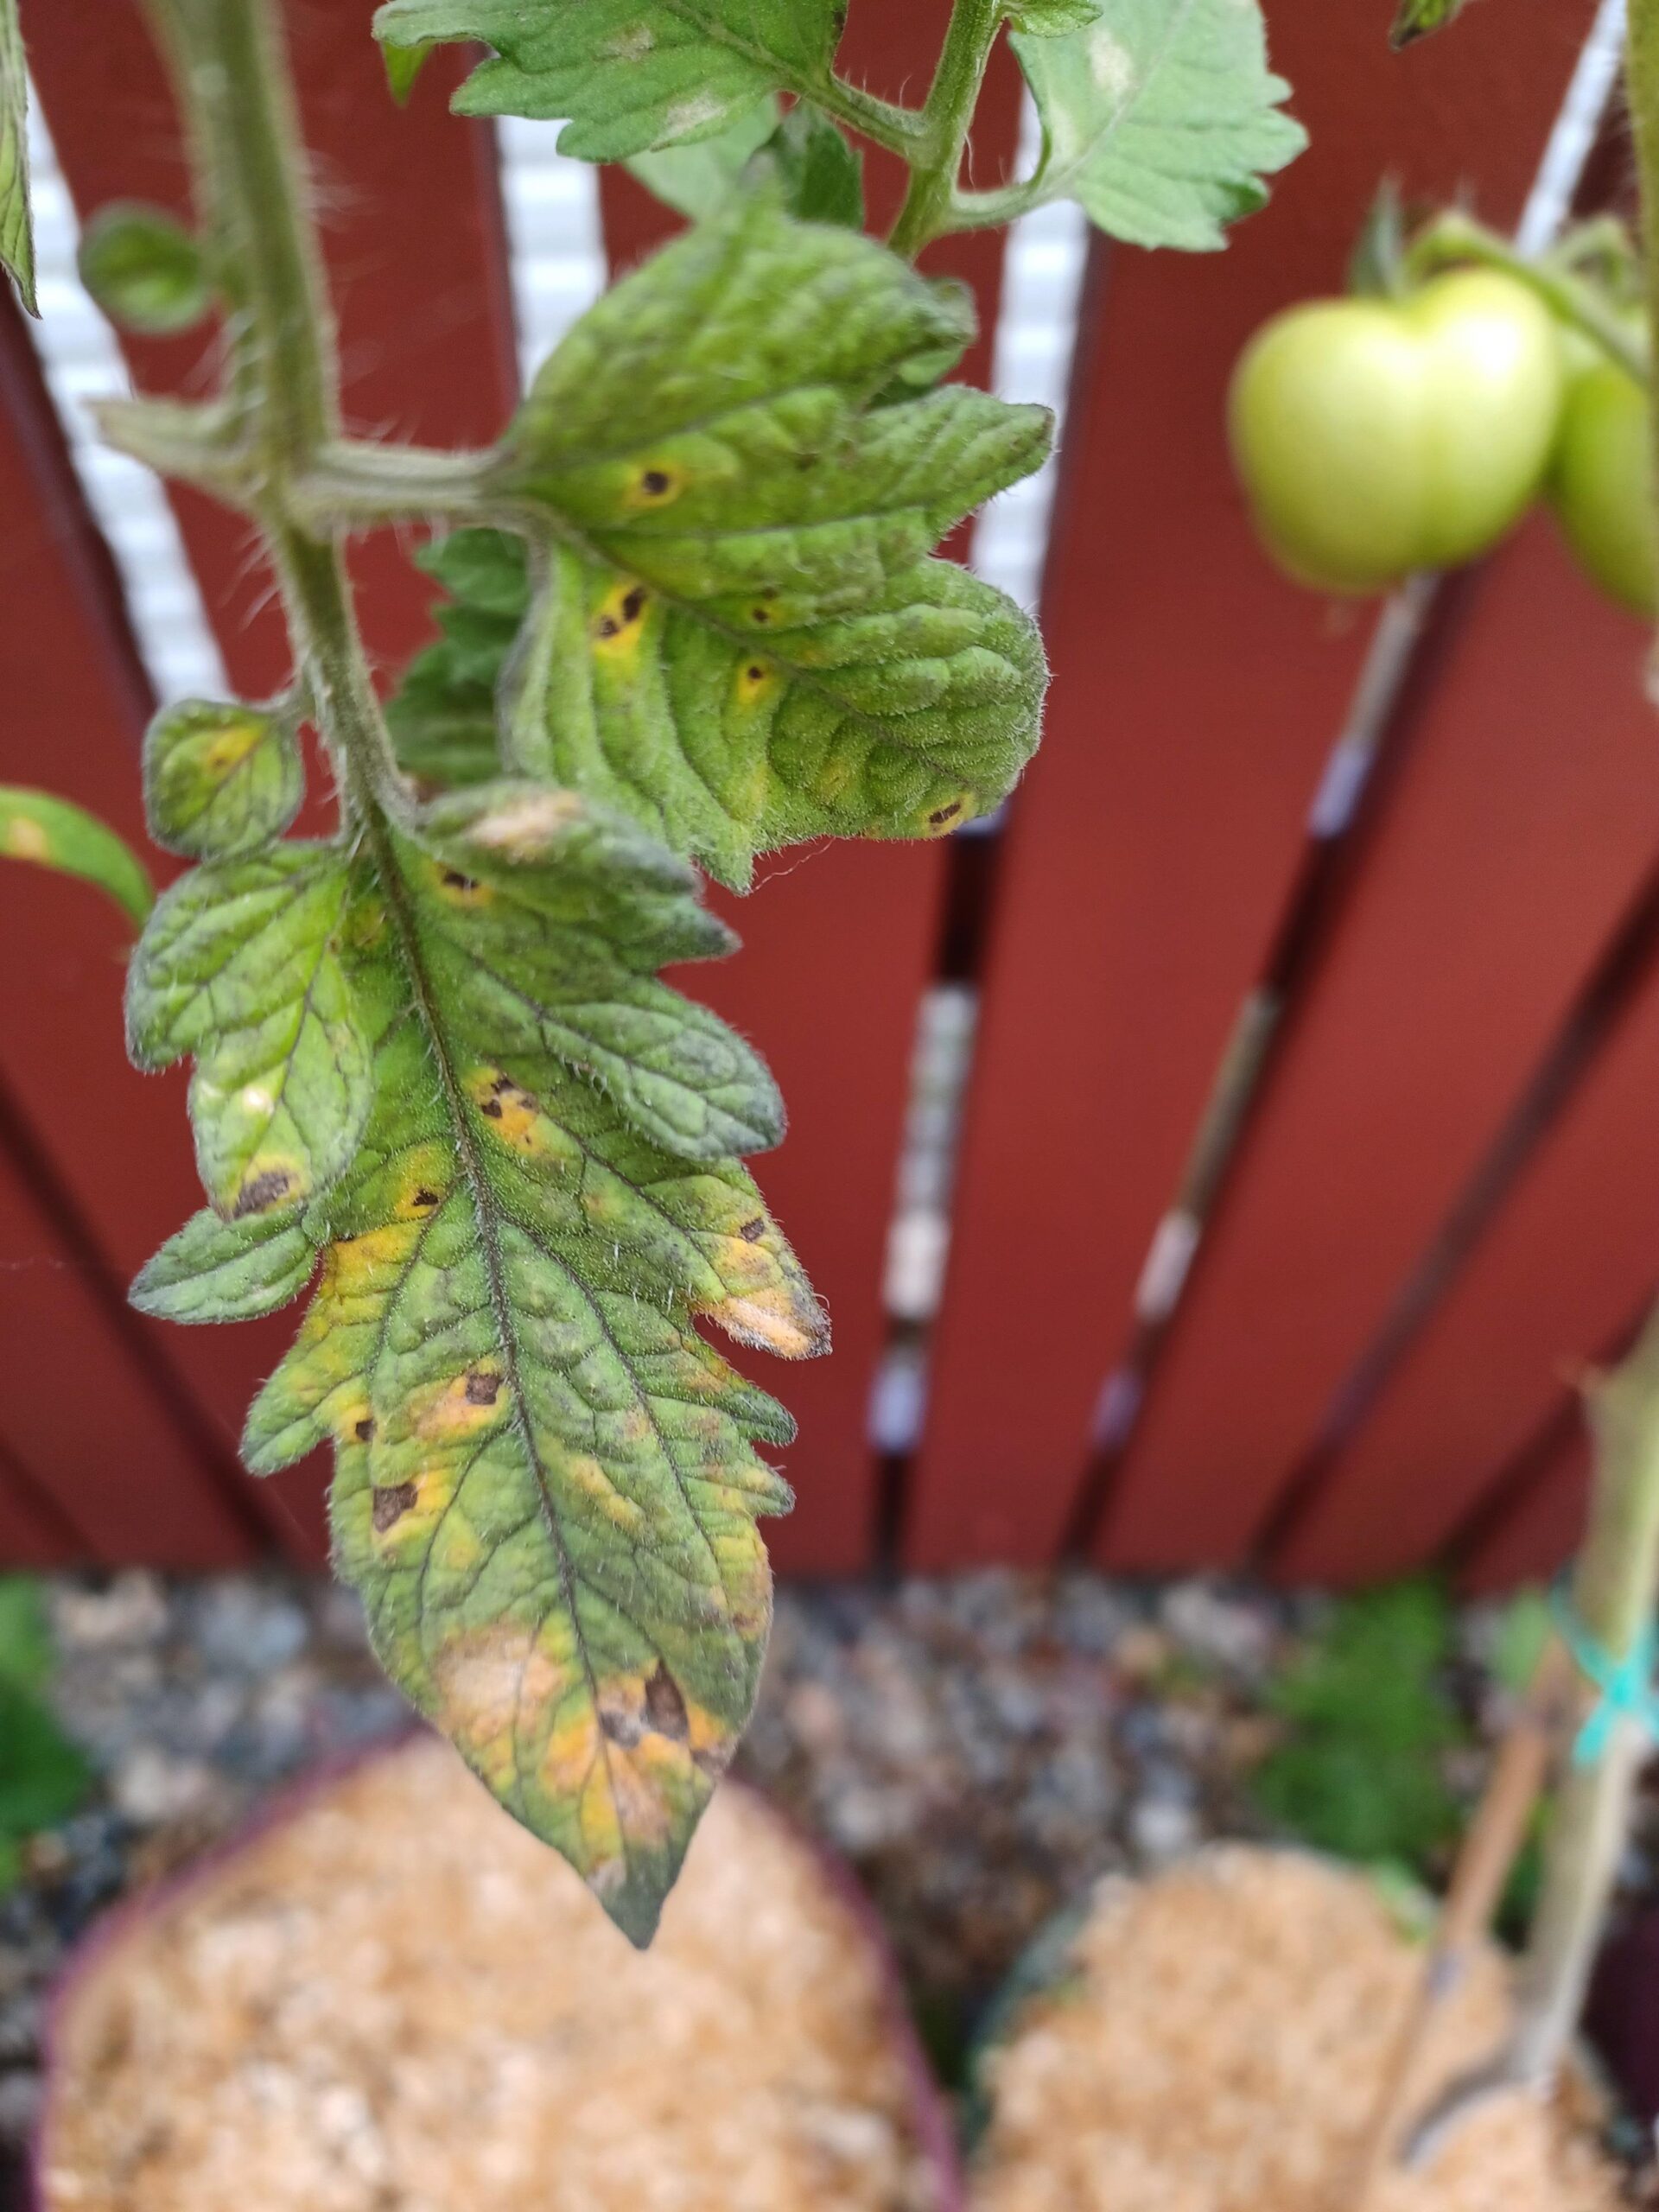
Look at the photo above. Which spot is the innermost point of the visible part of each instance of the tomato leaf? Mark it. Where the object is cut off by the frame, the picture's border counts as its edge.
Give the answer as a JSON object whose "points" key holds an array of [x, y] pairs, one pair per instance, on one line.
{"points": [[1050, 18], [38, 826], [220, 780], [145, 269], [546, 1486], [696, 180], [1417, 18], [821, 171], [737, 635], [1161, 117], [239, 967], [630, 75], [16, 234], [215, 1270]]}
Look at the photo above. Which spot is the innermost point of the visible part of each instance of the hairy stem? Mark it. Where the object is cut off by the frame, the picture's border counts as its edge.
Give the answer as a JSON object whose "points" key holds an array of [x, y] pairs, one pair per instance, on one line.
{"points": [[1454, 238], [1614, 1591], [232, 77], [945, 119]]}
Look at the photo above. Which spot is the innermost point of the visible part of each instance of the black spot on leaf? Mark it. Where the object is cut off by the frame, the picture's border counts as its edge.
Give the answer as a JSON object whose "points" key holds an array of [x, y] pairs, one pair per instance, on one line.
{"points": [[391, 1502], [492, 1107], [943, 814], [482, 1388], [753, 1231], [664, 1707], [655, 482], [364, 1429], [261, 1193], [424, 1198]]}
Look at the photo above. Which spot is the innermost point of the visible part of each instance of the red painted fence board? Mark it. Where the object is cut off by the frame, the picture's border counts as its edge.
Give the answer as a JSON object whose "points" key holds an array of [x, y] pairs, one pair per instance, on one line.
{"points": [[1571, 1255], [1195, 697], [1524, 815]]}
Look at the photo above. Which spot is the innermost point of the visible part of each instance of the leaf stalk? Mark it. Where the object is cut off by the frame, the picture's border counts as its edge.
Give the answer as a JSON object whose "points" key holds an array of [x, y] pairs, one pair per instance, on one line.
{"points": [[231, 74], [927, 212]]}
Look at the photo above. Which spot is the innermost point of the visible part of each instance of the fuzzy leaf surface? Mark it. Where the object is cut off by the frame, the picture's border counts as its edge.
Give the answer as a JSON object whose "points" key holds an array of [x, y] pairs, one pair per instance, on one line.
{"points": [[54, 833], [16, 233], [220, 779], [546, 1482], [1161, 117], [215, 1270], [738, 635], [627, 76], [239, 968]]}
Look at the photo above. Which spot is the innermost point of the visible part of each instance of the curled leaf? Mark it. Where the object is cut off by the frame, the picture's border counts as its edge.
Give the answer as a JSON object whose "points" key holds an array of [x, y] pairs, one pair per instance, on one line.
{"points": [[220, 779], [145, 269]]}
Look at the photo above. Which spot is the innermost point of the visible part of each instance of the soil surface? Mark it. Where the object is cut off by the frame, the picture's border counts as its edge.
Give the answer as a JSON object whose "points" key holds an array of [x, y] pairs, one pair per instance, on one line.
{"points": [[1212, 2041], [395, 1999]]}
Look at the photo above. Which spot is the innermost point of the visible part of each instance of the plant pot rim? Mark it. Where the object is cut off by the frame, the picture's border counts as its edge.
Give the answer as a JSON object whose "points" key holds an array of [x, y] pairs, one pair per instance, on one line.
{"points": [[936, 2140]]}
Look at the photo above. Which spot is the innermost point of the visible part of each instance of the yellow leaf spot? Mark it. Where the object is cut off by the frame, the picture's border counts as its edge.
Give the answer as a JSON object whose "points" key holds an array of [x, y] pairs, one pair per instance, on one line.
{"points": [[237, 735], [586, 1474], [466, 1403], [514, 1114], [772, 1318], [618, 622], [24, 839], [459, 890], [949, 814], [485, 1678], [757, 683], [657, 484], [269, 1179], [424, 1185]]}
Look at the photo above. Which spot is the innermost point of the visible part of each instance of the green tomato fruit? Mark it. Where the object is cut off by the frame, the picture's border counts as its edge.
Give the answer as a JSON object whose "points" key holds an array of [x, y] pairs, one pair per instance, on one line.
{"points": [[1601, 482], [1377, 436]]}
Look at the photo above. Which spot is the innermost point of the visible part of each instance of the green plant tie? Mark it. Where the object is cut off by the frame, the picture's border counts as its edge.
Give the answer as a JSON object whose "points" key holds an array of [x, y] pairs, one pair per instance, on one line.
{"points": [[1626, 1684]]}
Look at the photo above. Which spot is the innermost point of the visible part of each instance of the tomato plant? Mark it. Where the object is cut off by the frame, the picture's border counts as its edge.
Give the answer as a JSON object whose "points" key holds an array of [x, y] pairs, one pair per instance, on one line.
{"points": [[436, 1075], [1374, 436]]}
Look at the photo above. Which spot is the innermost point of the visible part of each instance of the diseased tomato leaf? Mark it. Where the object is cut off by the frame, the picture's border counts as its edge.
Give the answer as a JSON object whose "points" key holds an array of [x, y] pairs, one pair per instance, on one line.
{"points": [[630, 75], [1161, 116], [239, 966], [737, 634], [546, 1486], [16, 234], [220, 779], [38, 826]]}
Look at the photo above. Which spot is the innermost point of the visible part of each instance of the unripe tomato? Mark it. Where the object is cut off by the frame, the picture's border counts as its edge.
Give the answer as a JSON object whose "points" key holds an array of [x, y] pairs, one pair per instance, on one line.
{"points": [[1376, 436], [1601, 479]]}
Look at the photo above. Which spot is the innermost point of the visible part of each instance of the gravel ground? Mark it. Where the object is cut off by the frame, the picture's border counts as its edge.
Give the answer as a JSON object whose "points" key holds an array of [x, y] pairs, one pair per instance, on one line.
{"points": [[978, 1747]]}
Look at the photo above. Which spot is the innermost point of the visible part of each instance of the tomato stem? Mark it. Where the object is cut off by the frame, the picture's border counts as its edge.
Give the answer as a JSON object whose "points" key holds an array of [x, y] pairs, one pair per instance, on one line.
{"points": [[230, 68]]}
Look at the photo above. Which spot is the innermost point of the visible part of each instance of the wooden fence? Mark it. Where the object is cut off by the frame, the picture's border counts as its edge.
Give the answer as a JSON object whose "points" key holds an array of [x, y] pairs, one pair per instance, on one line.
{"points": [[1370, 1285]]}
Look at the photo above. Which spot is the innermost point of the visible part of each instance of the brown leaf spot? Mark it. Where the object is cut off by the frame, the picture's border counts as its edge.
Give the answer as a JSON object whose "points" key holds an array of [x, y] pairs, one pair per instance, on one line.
{"points": [[492, 1107], [753, 1231], [655, 482], [664, 1707], [391, 1502], [941, 815], [482, 1387], [453, 880], [260, 1192], [425, 1197], [364, 1429]]}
